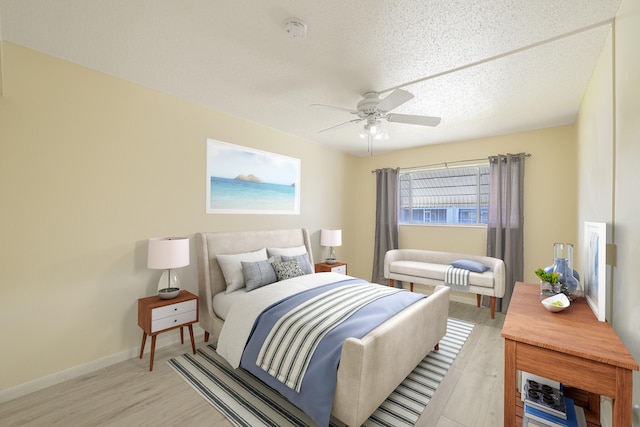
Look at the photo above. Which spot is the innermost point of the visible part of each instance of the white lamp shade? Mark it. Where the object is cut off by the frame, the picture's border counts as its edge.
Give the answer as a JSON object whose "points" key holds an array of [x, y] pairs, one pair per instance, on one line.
{"points": [[168, 252], [331, 238]]}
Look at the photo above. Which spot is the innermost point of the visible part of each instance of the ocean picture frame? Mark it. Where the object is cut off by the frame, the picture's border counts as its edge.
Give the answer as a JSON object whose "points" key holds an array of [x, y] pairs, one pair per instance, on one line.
{"points": [[595, 279], [242, 180]]}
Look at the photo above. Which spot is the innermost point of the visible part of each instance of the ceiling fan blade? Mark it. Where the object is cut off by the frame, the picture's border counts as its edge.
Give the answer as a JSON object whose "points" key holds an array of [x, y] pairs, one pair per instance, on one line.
{"points": [[413, 120], [348, 110], [341, 124], [394, 99]]}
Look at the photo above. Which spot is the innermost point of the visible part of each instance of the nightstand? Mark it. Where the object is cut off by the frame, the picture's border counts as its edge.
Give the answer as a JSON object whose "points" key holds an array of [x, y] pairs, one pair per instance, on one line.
{"points": [[156, 315], [338, 267]]}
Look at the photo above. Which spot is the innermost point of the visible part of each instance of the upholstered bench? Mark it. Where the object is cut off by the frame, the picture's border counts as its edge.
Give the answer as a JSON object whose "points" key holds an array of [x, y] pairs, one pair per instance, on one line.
{"points": [[429, 268]]}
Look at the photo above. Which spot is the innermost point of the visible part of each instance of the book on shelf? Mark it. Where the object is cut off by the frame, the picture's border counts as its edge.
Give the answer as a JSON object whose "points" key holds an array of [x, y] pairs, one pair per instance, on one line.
{"points": [[580, 417], [538, 417], [545, 397]]}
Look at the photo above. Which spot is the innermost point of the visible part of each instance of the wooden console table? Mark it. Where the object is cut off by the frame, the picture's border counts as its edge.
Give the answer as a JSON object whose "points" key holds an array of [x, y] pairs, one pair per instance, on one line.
{"points": [[571, 346]]}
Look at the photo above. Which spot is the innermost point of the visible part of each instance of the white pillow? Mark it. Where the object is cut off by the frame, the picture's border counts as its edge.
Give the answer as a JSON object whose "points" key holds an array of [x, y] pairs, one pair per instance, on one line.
{"points": [[231, 266], [296, 250]]}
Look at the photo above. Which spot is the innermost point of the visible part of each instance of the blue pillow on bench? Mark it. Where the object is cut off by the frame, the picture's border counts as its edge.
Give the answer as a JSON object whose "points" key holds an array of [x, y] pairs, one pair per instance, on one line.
{"points": [[474, 266]]}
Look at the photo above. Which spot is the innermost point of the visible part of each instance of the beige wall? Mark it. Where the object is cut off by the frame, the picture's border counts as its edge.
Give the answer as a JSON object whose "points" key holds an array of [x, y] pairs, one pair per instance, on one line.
{"points": [[595, 132], [626, 292], [609, 176], [1, 68], [550, 201], [90, 168]]}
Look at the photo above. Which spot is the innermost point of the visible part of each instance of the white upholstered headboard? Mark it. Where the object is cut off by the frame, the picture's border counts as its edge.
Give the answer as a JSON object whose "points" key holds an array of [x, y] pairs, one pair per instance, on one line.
{"points": [[210, 278]]}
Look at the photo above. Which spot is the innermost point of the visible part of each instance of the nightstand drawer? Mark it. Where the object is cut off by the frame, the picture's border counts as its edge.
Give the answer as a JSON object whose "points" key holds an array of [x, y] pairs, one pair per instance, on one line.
{"points": [[175, 320], [173, 309], [342, 269]]}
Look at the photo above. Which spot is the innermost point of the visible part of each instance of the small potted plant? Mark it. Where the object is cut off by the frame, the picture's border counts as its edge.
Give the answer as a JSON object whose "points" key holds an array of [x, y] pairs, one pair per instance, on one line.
{"points": [[549, 284]]}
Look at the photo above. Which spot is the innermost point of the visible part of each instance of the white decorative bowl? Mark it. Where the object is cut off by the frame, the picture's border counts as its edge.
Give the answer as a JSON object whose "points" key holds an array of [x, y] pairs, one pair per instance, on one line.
{"points": [[556, 303]]}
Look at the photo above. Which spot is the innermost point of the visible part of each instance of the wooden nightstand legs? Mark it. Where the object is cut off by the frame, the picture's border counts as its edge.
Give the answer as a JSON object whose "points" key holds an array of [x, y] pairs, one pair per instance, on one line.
{"points": [[153, 344], [193, 342], [153, 351], [153, 348], [144, 340]]}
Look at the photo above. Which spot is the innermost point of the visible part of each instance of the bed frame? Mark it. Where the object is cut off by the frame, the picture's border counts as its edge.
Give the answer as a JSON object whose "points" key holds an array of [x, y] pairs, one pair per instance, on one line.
{"points": [[370, 368]]}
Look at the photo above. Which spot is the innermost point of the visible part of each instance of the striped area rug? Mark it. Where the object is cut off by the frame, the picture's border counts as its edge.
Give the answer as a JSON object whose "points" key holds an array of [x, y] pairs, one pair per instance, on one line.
{"points": [[247, 402]]}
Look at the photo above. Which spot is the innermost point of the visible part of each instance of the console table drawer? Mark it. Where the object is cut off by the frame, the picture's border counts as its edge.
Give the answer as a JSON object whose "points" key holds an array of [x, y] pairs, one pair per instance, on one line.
{"points": [[171, 321], [173, 309]]}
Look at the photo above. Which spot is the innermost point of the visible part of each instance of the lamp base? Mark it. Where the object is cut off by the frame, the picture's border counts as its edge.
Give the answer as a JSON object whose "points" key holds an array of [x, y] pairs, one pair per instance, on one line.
{"points": [[330, 260], [168, 293]]}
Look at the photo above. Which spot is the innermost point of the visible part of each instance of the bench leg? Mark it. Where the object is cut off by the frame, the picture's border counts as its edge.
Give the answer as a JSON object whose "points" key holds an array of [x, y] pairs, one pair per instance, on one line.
{"points": [[437, 347], [392, 284], [492, 305], [206, 336]]}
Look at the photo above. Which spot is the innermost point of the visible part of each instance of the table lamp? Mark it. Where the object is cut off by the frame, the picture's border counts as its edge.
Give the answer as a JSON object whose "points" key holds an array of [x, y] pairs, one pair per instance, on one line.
{"points": [[331, 238], [168, 253]]}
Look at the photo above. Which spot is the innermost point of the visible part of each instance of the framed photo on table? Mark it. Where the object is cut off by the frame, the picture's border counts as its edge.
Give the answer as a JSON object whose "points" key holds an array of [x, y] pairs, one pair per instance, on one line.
{"points": [[595, 280]]}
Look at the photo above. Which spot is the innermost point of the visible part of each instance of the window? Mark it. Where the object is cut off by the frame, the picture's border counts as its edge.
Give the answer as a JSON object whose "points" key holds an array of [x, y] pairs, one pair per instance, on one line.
{"points": [[444, 196]]}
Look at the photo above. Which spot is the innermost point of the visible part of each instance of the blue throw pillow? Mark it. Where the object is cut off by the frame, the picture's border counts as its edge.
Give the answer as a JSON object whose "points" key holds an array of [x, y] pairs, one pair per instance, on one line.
{"points": [[470, 265], [258, 274], [303, 260]]}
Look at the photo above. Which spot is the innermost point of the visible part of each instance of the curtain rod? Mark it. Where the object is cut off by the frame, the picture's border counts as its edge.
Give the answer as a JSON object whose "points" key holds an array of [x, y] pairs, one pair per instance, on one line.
{"points": [[446, 164]]}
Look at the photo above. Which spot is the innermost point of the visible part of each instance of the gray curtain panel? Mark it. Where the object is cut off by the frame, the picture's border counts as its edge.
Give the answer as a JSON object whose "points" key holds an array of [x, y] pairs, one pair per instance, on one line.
{"points": [[386, 237], [505, 229]]}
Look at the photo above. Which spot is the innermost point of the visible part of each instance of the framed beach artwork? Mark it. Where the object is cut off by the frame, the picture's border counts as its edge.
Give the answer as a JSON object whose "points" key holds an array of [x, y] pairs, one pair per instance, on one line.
{"points": [[595, 281], [243, 180]]}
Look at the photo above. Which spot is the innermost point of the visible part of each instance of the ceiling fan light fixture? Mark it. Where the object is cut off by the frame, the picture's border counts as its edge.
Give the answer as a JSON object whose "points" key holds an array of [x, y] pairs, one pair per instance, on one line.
{"points": [[374, 129], [381, 136]]}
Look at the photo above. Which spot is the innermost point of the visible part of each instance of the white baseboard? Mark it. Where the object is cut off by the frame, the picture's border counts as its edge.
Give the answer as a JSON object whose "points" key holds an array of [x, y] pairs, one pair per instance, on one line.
{"points": [[20, 390]]}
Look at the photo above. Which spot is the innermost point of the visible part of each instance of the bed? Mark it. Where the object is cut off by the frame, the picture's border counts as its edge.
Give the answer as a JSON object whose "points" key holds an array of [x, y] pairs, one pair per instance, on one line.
{"points": [[370, 367]]}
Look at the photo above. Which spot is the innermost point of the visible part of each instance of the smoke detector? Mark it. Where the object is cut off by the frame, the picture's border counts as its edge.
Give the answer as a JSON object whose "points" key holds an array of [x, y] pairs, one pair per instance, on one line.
{"points": [[296, 28]]}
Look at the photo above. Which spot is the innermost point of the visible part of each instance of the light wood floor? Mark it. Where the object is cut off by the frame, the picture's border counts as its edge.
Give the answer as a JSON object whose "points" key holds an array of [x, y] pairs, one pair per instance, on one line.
{"points": [[127, 394]]}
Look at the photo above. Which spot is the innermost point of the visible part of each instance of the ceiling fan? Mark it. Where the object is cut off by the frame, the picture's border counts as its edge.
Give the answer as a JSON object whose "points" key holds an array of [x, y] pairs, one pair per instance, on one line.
{"points": [[373, 110]]}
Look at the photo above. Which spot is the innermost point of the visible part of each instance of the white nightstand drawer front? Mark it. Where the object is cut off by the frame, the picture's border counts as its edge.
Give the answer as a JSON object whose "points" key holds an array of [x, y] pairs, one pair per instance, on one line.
{"points": [[171, 321], [173, 309], [342, 269]]}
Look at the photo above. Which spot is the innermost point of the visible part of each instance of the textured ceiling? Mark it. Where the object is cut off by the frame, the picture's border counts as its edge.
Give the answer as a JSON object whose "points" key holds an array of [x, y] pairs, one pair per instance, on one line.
{"points": [[487, 67]]}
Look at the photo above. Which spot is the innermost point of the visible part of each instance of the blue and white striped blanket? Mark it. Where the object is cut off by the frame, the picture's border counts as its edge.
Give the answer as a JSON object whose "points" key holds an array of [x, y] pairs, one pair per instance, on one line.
{"points": [[317, 387], [456, 278], [287, 351]]}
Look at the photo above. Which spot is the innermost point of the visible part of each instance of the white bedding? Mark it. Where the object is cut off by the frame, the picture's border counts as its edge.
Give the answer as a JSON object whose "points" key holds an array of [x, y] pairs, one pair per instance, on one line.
{"points": [[223, 301], [246, 308]]}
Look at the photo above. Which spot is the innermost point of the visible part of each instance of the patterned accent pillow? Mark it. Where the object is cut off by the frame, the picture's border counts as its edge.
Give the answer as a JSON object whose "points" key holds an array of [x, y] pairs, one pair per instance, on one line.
{"points": [[258, 274], [287, 269], [303, 260]]}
